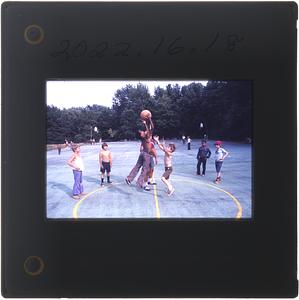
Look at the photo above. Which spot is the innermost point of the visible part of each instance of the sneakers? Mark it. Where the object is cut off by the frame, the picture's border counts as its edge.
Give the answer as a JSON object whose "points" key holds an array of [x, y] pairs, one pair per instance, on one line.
{"points": [[147, 188], [217, 180], [152, 183], [128, 182], [76, 197]]}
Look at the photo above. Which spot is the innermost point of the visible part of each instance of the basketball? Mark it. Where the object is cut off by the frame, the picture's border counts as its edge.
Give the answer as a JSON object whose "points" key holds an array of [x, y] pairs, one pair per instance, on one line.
{"points": [[145, 114]]}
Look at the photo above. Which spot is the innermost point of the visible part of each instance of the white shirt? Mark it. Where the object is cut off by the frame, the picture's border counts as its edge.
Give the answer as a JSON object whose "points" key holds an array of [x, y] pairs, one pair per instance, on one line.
{"points": [[78, 162], [219, 153]]}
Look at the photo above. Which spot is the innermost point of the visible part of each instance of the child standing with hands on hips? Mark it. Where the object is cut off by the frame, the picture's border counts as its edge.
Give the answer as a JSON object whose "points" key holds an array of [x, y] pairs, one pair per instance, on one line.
{"points": [[76, 163], [220, 155]]}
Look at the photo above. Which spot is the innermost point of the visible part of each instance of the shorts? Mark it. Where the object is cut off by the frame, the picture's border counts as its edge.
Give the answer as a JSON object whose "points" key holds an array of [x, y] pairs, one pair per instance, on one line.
{"points": [[105, 167], [218, 165], [152, 163], [168, 171]]}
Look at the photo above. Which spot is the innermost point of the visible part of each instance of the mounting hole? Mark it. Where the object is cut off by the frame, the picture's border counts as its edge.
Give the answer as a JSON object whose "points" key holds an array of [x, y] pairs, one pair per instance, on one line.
{"points": [[33, 34], [33, 265]]}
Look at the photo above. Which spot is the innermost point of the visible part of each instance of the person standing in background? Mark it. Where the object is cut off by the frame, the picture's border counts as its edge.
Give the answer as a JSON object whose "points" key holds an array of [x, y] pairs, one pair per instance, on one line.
{"points": [[203, 154], [220, 155], [189, 142]]}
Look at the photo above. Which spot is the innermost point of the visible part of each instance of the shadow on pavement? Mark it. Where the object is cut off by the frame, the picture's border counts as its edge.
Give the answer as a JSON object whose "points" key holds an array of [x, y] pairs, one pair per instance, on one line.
{"points": [[61, 187]]}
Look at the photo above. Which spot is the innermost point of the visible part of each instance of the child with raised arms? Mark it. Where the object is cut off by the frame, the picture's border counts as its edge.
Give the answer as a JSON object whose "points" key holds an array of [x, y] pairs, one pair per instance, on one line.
{"points": [[168, 150]]}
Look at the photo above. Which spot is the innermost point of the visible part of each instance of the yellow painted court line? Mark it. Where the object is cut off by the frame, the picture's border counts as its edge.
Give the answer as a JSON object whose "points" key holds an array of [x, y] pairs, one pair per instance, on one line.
{"points": [[75, 209], [239, 206], [158, 215], [240, 209]]}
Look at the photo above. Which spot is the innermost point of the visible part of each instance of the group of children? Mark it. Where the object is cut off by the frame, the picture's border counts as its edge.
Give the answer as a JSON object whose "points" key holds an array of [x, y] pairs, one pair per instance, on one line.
{"points": [[76, 163], [204, 153], [146, 162]]}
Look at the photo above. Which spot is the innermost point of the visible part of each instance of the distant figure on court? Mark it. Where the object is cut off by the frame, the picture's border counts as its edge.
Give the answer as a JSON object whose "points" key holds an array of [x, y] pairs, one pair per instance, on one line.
{"points": [[105, 160], [220, 155], [203, 154], [144, 158], [59, 147], [76, 163], [183, 139], [167, 164], [189, 142]]}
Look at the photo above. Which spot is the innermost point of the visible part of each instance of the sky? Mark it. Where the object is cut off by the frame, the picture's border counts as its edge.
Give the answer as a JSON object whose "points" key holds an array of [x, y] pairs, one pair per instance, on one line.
{"points": [[67, 94]]}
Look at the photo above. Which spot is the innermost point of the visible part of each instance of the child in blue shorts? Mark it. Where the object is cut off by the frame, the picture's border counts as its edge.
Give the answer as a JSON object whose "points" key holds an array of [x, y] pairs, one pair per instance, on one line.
{"points": [[220, 155]]}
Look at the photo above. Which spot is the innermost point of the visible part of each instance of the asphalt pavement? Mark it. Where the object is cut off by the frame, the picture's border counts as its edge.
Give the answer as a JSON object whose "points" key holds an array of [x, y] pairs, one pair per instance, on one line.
{"points": [[194, 197]]}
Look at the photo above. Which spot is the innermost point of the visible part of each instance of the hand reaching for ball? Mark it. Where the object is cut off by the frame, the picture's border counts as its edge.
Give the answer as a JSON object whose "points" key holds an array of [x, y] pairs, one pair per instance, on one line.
{"points": [[145, 115]]}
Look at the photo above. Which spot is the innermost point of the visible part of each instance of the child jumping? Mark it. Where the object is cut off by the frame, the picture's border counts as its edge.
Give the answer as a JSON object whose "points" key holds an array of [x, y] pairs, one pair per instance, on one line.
{"points": [[220, 155], [105, 160], [76, 163], [167, 163]]}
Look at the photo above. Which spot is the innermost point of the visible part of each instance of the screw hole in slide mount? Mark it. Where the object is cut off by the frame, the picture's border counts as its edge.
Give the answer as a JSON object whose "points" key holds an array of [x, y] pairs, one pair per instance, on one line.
{"points": [[34, 265], [33, 34]]}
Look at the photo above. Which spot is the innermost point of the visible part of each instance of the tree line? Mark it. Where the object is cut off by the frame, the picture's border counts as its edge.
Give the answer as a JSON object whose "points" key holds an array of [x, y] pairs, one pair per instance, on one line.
{"points": [[221, 110]]}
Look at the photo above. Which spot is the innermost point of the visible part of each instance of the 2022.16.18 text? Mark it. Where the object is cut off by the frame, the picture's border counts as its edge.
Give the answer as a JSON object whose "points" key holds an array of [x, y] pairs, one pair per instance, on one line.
{"points": [[72, 50]]}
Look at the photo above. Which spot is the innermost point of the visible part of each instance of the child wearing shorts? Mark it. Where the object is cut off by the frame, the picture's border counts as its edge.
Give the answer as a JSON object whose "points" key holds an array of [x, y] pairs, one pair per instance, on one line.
{"points": [[105, 160], [76, 163], [167, 164], [220, 155]]}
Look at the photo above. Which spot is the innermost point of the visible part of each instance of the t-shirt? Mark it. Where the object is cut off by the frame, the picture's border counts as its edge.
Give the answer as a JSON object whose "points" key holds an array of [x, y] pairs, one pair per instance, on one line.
{"points": [[219, 153], [78, 162]]}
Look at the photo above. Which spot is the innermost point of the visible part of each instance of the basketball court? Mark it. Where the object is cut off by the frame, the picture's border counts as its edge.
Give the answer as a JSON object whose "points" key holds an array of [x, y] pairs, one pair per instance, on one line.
{"points": [[194, 197]]}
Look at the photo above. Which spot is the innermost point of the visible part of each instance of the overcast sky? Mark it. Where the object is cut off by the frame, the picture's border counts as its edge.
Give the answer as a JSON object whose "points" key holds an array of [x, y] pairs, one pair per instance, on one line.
{"points": [[66, 94]]}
